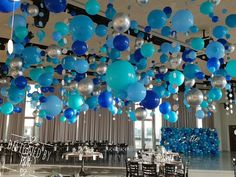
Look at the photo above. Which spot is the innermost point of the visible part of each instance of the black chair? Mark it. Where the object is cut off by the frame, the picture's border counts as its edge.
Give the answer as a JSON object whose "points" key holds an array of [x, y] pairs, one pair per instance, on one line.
{"points": [[149, 170], [134, 169], [127, 164], [234, 166], [170, 170]]}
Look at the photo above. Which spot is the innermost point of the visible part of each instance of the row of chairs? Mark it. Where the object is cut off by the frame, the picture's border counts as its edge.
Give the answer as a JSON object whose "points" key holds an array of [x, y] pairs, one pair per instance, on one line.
{"points": [[150, 170]]}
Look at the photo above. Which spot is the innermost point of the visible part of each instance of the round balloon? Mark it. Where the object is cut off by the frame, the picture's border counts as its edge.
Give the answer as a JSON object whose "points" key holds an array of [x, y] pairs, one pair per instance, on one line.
{"points": [[52, 110], [165, 107], [151, 100], [8, 6], [176, 78], [75, 100], [136, 92], [7, 108], [215, 50], [173, 117], [105, 99], [230, 21], [79, 48], [157, 19], [121, 42], [55, 6], [230, 68], [92, 7], [182, 21], [81, 66]]}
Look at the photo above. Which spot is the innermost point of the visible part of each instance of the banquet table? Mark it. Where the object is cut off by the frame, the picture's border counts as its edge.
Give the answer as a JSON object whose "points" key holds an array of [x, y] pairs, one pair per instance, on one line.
{"points": [[82, 156]]}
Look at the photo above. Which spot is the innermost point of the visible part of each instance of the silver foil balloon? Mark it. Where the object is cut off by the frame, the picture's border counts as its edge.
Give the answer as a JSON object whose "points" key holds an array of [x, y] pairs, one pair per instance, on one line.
{"points": [[15, 73], [218, 82], [33, 10], [231, 48], [86, 86], [96, 91], [53, 51], [194, 97], [73, 85], [101, 68], [140, 113], [138, 43], [175, 107], [175, 61], [16, 63], [189, 83], [163, 69], [142, 2], [215, 2], [121, 23], [212, 107]]}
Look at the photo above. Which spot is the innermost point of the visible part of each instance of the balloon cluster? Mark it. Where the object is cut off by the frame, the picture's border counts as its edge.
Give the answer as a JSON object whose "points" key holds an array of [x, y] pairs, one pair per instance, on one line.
{"points": [[89, 80], [191, 141]]}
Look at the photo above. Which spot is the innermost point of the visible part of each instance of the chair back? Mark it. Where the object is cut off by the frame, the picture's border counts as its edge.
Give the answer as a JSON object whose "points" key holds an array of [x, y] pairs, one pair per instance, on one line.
{"points": [[134, 169], [149, 170], [234, 166], [170, 169]]}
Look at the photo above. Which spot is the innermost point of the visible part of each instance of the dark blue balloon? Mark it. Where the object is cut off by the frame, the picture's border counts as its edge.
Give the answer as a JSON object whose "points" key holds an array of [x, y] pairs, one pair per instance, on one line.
{"points": [[105, 99], [165, 107], [17, 109], [138, 55], [69, 113], [148, 29], [213, 64], [48, 117], [200, 75], [21, 82], [56, 6], [121, 42], [44, 89], [59, 69], [7, 5], [79, 77], [42, 99], [151, 101], [167, 10], [79, 47]]}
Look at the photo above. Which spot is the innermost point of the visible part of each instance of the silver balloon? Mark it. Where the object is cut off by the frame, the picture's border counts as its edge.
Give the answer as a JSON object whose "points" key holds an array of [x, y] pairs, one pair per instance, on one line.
{"points": [[189, 83], [212, 107], [53, 51], [91, 59], [3, 81], [138, 43], [215, 2], [86, 86], [73, 85], [33, 10], [15, 73], [175, 61], [175, 97], [16, 63], [35, 113], [140, 113], [163, 69], [175, 107], [96, 91], [121, 23], [194, 97], [231, 48], [101, 68], [218, 82], [142, 2]]}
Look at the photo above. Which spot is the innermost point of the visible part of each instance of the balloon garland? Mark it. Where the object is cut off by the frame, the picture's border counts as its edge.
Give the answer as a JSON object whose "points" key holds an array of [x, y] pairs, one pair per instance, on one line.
{"points": [[90, 81]]}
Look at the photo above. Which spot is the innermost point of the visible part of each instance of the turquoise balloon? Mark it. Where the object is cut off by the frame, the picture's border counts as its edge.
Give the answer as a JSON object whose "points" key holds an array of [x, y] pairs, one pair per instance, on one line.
{"points": [[197, 43], [53, 106], [32, 55], [21, 32], [62, 119], [35, 73], [16, 95], [176, 78], [92, 7], [182, 21], [92, 102], [230, 21], [101, 30], [75, 100], [42, 114], [62, 28], [190, 71], [120, 75], [148, 50], [204, 104], [207, 8], [220, 31], [215, 94], [200, 114], [166, 116], [45, 79], [136, 92], [215, 50], [7, 108], [231, 68], [157, 19], [172, 117]]}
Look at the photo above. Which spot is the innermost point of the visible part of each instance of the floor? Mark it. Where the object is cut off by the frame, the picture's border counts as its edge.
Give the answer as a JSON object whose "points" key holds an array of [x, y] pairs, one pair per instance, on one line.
{"points": [[113, 165]]}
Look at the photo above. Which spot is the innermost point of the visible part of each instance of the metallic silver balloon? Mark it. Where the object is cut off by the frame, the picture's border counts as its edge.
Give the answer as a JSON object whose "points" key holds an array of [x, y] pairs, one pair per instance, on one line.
{"points": [[140, 113], [215, 2], [138, 43], [212, 107], [33, 10], [53, 51], [142, 2], [73, 85], [101, 68], [91, 59], [121, 23], [194, 97], [96, 91], [175, 107], [86, 86], [230, 49], [163, 69], [175, 61], [16, 63], [218, 82], [189, 83], [15, 73]]}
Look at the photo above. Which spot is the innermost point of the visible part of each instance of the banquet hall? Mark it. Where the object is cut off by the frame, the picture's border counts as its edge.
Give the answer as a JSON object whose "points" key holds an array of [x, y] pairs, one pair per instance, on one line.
{"points": [[120, 88]]}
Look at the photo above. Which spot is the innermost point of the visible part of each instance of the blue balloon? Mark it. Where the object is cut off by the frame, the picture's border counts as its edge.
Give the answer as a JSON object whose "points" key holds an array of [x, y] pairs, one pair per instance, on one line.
{"points": [[16, 95], [68, 63], [52, 110], [213, 64], [166, 31], [172, 117], [21, 82], [17, 109], [92, 7], [105, 99], [136, 92], [215, 94], [92, 102], [45, 79], [220, 31], [215, 50], [182, 21], [200, 75], [19, 21], [230, 68], [31, 55], [200, 114], [79, 48], [82, 27], [81, 66], [121, 42], [156, 19], [7, 6], [101, 30], [151, 100], [190, 71], [230, 21], [165, 107], [159, 90], [55, 6], [69, 113]]}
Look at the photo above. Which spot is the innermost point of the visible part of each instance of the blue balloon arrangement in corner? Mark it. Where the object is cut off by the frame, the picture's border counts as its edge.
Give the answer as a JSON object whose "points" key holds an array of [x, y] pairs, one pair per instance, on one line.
{"points": [[191, 141]]}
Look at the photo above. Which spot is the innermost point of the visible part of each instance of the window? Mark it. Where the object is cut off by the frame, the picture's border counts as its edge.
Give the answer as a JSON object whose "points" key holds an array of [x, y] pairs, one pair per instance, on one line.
{"points": [[29, 127], [29, 108], [199, 123]]}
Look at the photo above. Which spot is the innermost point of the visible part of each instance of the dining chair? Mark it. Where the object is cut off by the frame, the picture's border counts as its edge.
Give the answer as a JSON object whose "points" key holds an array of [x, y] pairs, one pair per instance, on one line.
{"points": [[134, 169], [127, 164], [170, 170], [234, 166], [149, 170]]}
